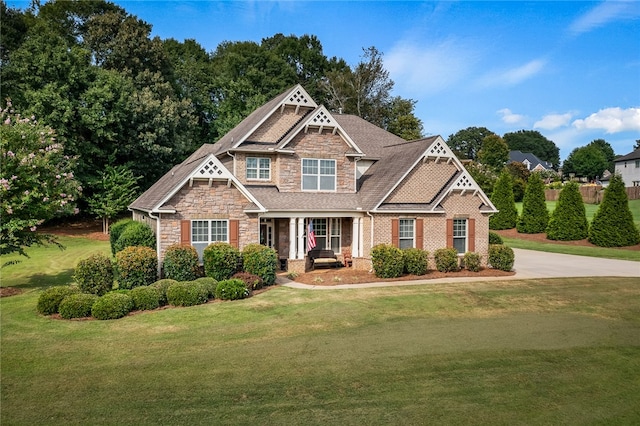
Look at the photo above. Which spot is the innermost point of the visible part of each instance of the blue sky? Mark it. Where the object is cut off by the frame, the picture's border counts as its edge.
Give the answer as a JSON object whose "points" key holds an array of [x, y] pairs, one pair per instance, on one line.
{"points": [[568, 69]]}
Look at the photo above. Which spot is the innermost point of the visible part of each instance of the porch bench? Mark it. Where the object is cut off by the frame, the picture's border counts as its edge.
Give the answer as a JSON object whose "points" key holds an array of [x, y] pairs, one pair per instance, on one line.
{"points": [[323, 258]]}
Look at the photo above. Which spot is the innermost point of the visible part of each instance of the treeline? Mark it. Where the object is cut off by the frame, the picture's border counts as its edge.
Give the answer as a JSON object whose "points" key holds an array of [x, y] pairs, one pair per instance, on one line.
{"points": [[117, 96]]}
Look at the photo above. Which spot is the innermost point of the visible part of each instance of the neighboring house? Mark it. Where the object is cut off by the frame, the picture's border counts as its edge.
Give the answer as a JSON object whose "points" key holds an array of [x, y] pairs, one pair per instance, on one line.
{"points": [[291, 163], [532, 162], [628, 166]]}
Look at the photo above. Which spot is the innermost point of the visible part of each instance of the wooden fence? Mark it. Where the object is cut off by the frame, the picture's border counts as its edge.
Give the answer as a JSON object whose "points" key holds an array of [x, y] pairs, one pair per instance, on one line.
{"points": [[592, 194]]}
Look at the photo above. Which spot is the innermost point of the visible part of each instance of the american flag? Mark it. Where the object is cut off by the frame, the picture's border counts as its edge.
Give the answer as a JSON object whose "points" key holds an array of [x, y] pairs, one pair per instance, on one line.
{"points": [[311, 237]]}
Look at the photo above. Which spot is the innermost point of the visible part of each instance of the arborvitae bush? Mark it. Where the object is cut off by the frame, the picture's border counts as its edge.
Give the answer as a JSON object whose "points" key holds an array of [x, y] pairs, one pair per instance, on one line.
{"points": [[135, 234], [501, 257], [112, 306], [535, 216], [50, 299], [446, 260], [387, 260], [94, 274], [568, 221], [77, 305], [187, 293], [221, 261], [502, 199], [210, 284], [162, 286], [181, 263], [471, 261], [494, 238], [136, 266], [145, 298], [261, 261], [115, 230], [415, 261], [252, 281], [232, 289], [612, 225]]}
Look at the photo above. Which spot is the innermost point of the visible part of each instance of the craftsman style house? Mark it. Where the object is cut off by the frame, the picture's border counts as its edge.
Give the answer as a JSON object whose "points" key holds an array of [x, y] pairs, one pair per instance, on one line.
{"points": [[292, 163]]}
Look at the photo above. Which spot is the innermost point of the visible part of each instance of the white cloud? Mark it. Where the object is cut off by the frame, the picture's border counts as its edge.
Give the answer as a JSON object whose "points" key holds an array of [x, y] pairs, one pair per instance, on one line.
{"points": [[603, 14], [513, 76], [509, 117], [611, 120], [553, 121]]}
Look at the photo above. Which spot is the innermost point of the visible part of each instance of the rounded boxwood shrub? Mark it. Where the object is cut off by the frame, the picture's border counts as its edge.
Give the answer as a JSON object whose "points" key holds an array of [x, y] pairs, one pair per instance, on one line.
{"points": [[415, 261], [252, 281], [77, 305], [495, 238], [145, 298], [187, 293], [112, 306], [136, 266], [210, 284], [501, 257], [232, 289], [135, 234], [94, 274], [446, 260], [471, 261], [568, 221], [50, 299], [162, 286], [387, 260], [221, 260], [115, 230], [261, 261], [181, 263]]}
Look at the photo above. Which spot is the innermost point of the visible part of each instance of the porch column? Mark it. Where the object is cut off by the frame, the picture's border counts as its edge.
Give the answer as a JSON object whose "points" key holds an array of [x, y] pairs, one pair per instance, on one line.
{"points": [[355, 237], [292, 238], [301, 238], [361, 239]]}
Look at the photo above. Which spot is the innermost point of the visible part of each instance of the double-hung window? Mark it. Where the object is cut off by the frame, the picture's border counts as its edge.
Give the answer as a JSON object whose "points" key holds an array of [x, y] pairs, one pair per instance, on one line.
{"points": [[460, 235], [335, 235], [318, 175], [328, 233], [205, 232], [406, 233], [258, 168]]}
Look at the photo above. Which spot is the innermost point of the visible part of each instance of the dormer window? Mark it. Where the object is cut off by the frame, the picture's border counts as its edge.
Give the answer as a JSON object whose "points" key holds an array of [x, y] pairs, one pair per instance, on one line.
{"points": [[258, 168], [318, 175]]}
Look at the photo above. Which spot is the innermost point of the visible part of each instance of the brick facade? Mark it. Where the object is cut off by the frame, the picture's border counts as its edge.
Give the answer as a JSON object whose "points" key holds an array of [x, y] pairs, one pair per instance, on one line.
{"points": [[423, 183]]}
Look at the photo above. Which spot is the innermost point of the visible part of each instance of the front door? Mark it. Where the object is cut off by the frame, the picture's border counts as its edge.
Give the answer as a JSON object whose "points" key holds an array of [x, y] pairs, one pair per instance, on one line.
{"points": [[266, 233]]}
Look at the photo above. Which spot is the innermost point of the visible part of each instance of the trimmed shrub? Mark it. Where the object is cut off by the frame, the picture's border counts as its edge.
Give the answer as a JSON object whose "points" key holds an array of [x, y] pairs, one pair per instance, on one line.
{"points": [[501, 257], [502, 198], [471, 261], [568, 221], [181, 263], [162, 286], [187, 293], [495, 238], [135, 234], [136, 266], [252, 281], [112, 306], [387, 260], [210, 284], [115, 230], [221, 260], [77, 305], [261, 261], [232, 289], [50, 299], [446, 260], [145, 298], [612, 225], [535, 216], [415, 261], [94, 274]]}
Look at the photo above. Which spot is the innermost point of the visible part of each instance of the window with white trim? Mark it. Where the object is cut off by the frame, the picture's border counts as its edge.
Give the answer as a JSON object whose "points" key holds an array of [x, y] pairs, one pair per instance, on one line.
{"points": [[258, 168], [205, 232], [318, 175], [406, 233], [327, 231], [460, 235], [335, 234]]}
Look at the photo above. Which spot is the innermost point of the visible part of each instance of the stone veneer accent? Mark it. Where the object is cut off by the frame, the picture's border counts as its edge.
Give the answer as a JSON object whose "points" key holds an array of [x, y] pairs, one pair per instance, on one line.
{"points": [[423, 183]]}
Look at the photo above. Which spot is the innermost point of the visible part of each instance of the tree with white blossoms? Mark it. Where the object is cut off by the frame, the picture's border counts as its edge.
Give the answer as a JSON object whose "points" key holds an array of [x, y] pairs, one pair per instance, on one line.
{"points": [[36, 182]]}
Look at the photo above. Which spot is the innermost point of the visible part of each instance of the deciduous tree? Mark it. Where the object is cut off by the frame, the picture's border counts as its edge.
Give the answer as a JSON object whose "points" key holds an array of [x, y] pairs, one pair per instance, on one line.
{"points": [[113, 193], [466, 143], [494, 152]]}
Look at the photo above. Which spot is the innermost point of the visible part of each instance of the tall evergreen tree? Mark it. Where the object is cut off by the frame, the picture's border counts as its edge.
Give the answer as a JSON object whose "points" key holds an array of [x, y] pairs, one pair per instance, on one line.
{"points": [[502, 198], [612, 225], [568, 221], [535, 216]]}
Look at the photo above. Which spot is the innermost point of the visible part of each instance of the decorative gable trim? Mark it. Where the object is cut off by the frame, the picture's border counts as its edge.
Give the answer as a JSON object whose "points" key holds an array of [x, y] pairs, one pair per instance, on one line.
{"points": [[297, 97], [465, 183], [440, 150], [211, 169]]}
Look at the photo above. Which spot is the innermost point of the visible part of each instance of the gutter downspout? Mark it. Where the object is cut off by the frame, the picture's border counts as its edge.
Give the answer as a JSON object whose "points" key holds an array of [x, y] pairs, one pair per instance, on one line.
{"points": [[157, 219]]}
